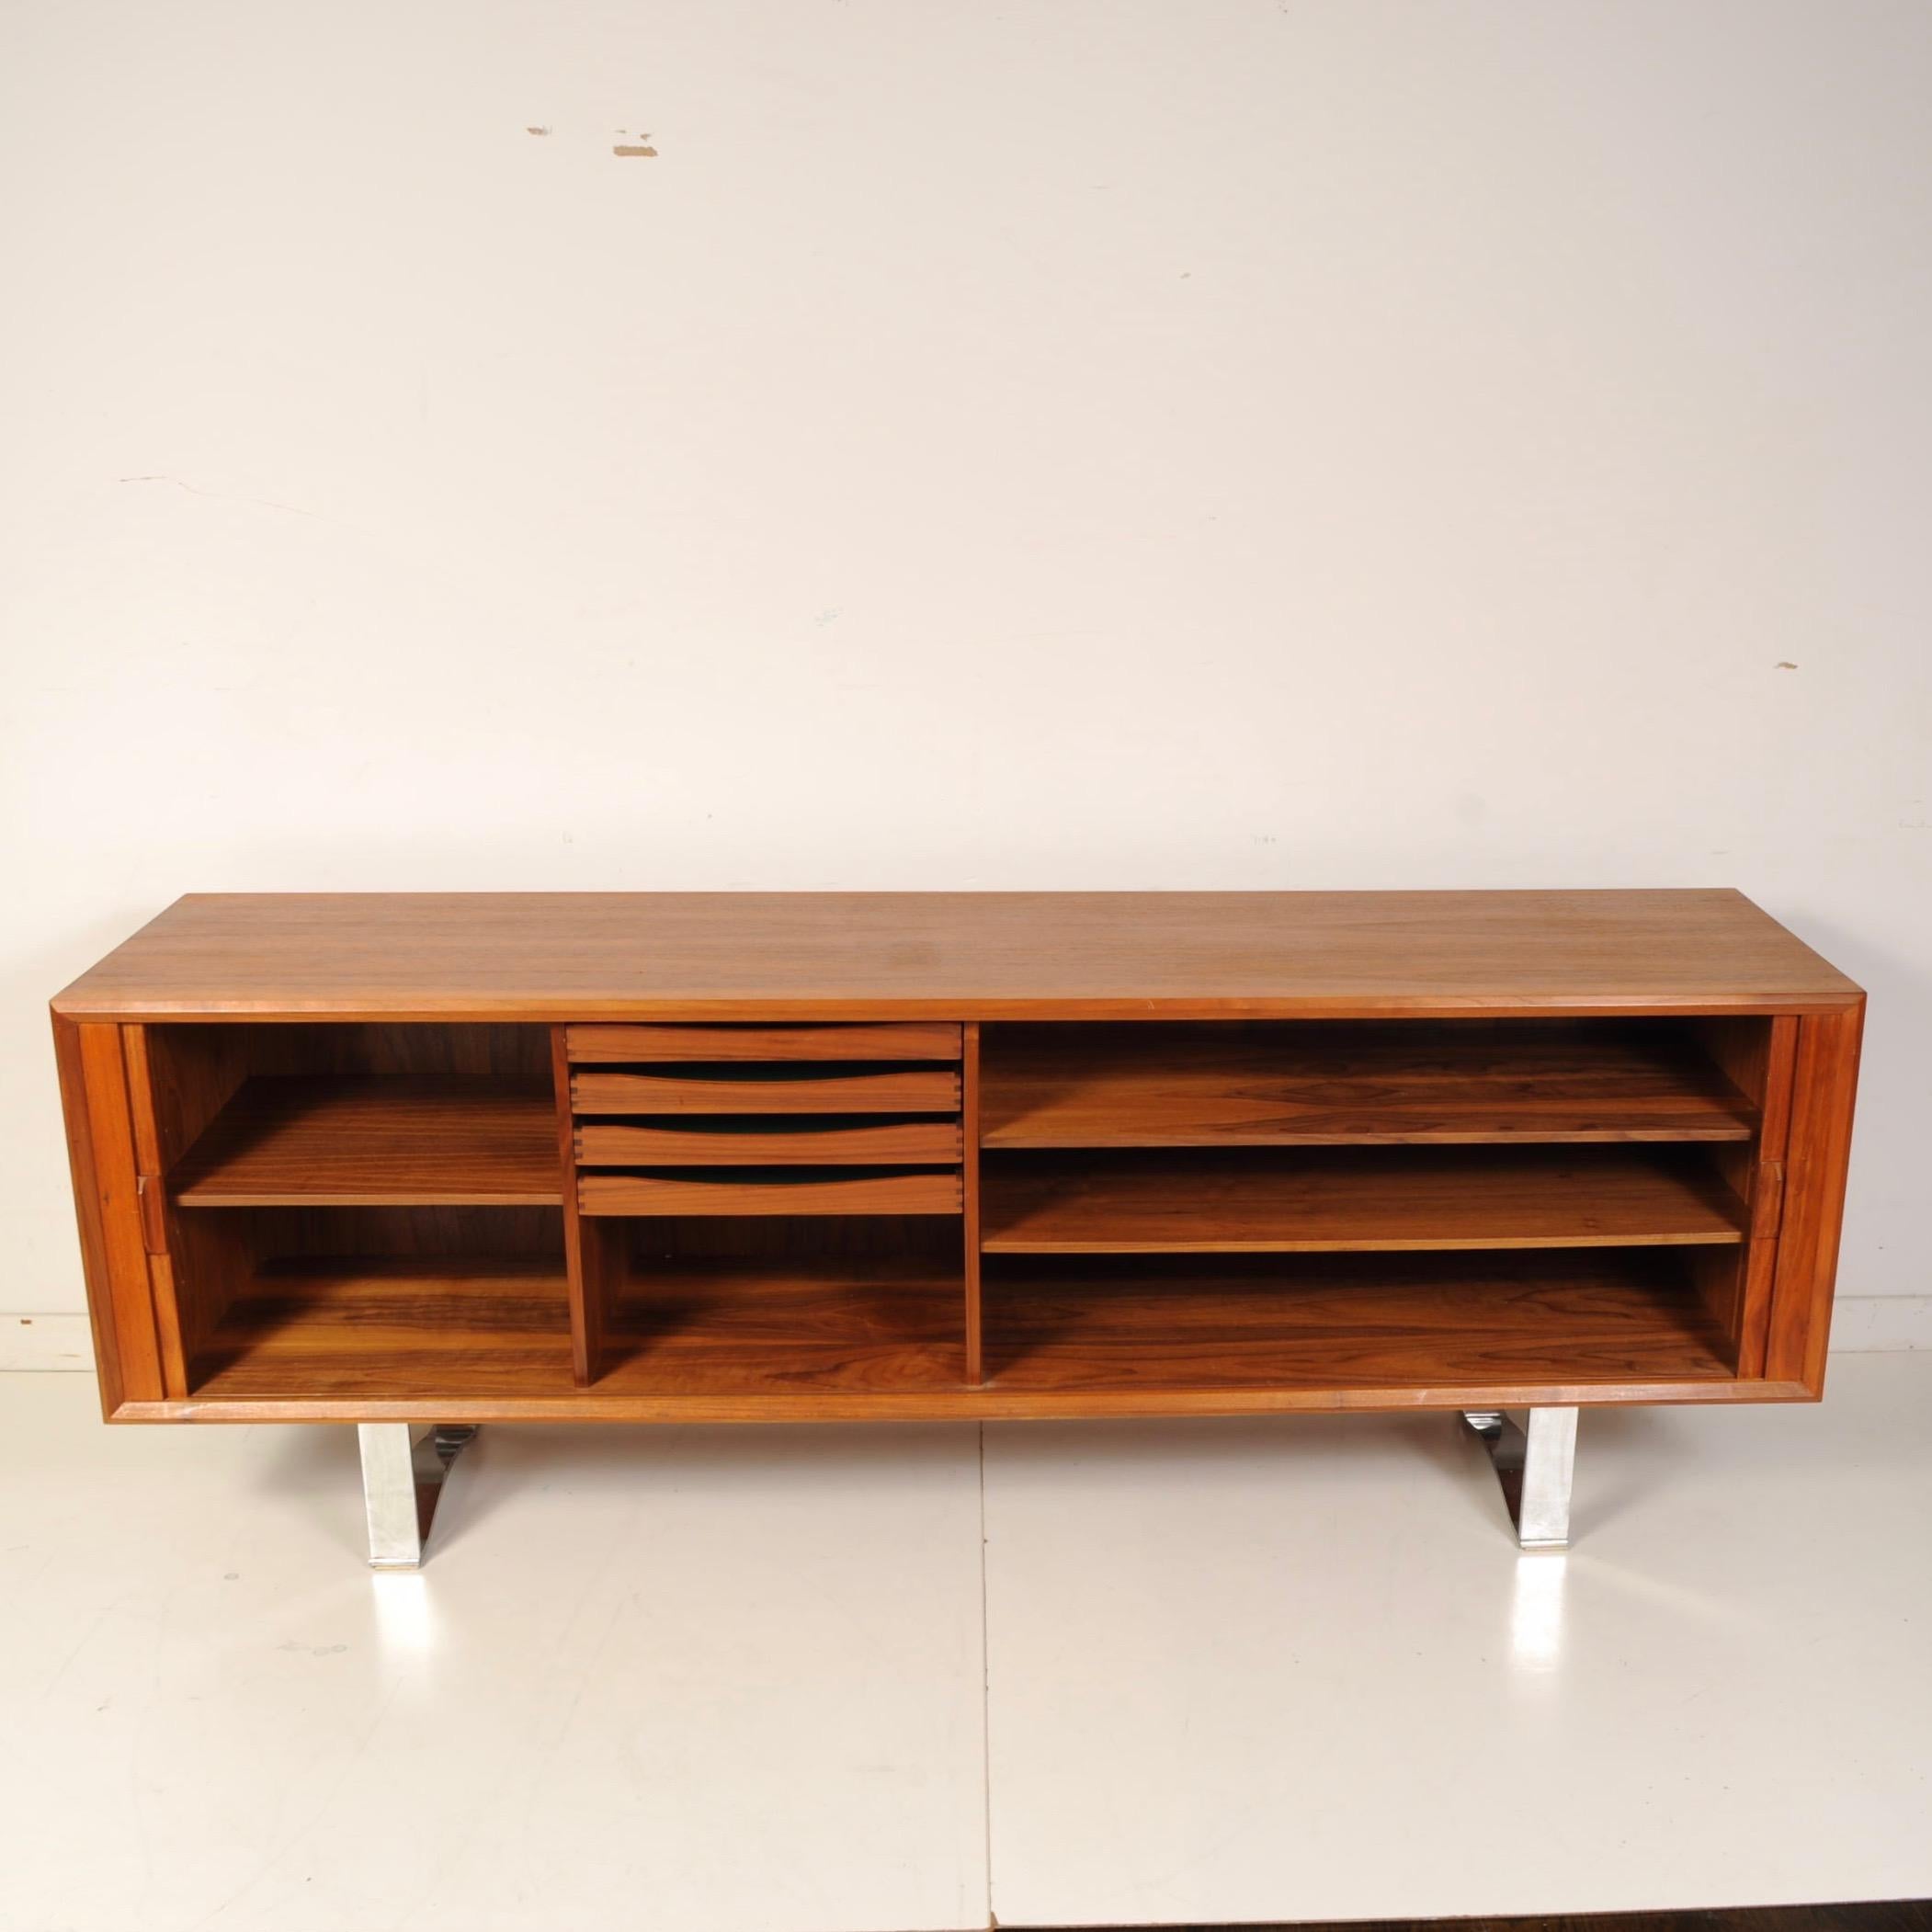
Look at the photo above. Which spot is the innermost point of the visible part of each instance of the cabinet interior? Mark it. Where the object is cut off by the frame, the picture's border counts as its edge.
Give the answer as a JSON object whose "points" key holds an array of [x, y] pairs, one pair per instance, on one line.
{"points": [[1425, 1208]]}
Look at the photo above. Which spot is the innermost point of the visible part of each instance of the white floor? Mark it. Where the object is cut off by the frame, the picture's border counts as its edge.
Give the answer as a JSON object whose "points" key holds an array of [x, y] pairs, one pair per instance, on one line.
{"points": [[716, 1679]]}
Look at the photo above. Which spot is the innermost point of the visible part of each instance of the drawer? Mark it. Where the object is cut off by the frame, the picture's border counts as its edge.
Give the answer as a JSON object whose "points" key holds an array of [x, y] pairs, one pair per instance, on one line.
{"points": [[768, 1190], [912, 1040], [744, 1139], [769, 1090]]}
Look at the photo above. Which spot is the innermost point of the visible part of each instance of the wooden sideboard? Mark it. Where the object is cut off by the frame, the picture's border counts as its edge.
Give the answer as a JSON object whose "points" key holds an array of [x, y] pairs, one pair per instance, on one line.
{"points": [[747, 1157]]}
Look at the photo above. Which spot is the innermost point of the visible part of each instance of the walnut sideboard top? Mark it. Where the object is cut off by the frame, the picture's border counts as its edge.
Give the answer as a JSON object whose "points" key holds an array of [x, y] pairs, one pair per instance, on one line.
{"points": [[962, 955]]}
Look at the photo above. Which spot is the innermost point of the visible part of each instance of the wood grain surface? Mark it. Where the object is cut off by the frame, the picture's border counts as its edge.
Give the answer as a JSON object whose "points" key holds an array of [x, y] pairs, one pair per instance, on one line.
{"points": [[777, 958], [766, 1191], [1363, 1199], [809, 1088], [367, 1141], [912, 1040], [730, 1327], [394, 1326], [1313, 1085], [404, 1329], [1345, 1322], [743, 1340], [744, 1140]]}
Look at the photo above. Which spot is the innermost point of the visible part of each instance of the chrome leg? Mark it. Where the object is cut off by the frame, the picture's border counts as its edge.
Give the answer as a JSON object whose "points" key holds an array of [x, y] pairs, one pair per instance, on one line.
{"points": [[1535, 1468], [401, 1478]]}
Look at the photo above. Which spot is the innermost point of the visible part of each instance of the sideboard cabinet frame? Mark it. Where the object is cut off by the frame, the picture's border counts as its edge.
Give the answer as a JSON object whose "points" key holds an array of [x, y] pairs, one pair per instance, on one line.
{"points": [[1782, 1027]]}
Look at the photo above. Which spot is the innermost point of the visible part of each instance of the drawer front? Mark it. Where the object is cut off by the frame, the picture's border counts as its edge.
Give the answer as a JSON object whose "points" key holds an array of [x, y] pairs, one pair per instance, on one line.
{"points": [[932, 1090], [746, 1141], [768, 1191], [920, 1040]]}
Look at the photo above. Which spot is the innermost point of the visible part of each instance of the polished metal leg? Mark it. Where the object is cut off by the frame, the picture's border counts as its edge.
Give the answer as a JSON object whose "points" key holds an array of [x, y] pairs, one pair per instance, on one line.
{"points": [[1535, 1467], [403, 1476]]}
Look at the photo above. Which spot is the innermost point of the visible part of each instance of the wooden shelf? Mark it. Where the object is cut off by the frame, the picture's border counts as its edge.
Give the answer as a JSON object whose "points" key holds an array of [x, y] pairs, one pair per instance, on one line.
{"points": [[1312, 1084], [1350, 1199], [751, 1140], [805, 1087], [401, 1330], [785, 1325], [929, 1040], [369, 1142], [770, 1190], [393, 1329], [390, 1329], [1431, 1324]]}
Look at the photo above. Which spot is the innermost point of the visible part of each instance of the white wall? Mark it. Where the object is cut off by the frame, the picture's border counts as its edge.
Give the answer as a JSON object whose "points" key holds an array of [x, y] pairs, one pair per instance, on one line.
{"points": [[1261, 444]]}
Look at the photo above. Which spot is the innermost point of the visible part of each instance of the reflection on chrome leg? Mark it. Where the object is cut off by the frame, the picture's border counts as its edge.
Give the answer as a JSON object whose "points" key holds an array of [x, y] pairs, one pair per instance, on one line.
{"points": [[1535, 1468], [403, 1476]]}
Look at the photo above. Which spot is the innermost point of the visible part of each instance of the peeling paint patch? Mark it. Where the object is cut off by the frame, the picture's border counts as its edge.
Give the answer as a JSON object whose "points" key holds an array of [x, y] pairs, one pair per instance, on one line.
{"points": [[649, 153], [1784, 664], [536, 130]]}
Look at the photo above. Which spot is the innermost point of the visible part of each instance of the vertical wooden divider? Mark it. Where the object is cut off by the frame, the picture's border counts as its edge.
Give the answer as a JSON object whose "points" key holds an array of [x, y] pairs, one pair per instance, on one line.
{"points": [[586, 1243], [969, 1180], [151, 1187], [1756, 1056], [1761, 1256]]}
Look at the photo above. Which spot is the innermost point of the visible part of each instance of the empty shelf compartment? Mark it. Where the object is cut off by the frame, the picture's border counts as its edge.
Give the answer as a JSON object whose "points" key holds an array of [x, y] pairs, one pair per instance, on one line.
{"points": [[359, 1139], [391, 1328], [1313, 1082], [1353, 1199], [784, 1323], [1414, 1325]]}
